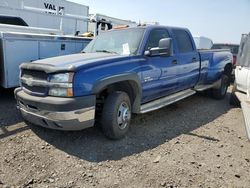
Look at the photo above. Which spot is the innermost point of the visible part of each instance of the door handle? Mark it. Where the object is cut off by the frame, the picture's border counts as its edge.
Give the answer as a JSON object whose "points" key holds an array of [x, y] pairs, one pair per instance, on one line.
{"points": [[193, 60], [174, 62]]}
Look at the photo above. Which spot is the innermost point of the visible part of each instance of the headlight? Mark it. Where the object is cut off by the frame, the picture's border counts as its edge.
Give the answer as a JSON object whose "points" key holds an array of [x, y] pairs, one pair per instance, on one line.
{"points": [[61, 85], [62, 78]]}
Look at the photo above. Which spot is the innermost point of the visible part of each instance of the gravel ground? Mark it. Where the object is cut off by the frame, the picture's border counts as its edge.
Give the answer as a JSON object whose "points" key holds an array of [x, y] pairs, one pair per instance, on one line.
{"points": [[198, 142]]}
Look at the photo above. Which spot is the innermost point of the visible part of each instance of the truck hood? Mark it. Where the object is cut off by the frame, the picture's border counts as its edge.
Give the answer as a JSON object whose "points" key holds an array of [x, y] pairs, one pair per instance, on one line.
{"points": [[71, 62]]}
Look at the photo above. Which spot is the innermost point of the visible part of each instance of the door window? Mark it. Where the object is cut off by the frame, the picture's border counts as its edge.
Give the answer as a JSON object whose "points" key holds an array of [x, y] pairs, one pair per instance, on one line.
{"points": [[155, 36]]}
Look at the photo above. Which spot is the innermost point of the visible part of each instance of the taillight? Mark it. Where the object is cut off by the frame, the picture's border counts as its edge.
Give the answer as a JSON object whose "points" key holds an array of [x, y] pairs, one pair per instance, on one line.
{"points": [[234, 60]]}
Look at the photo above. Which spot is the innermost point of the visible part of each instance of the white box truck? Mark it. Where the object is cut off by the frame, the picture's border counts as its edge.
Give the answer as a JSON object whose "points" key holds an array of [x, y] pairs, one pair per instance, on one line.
{"points": [[17, 47], [53, 14], [71, 18], [20, 43]]}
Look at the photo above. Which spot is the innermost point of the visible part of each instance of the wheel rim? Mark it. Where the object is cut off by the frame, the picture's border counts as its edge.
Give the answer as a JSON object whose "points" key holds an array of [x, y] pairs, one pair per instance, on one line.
{"points": [[123, 115]]}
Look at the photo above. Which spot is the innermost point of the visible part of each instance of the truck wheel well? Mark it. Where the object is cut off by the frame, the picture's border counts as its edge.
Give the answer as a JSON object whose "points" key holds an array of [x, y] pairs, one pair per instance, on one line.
{"points": [[130, 87], [228, 70]]}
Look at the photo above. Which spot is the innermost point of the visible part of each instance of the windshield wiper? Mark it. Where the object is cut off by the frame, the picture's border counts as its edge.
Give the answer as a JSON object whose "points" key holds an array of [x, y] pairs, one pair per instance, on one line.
{"points": [[107, 51]]}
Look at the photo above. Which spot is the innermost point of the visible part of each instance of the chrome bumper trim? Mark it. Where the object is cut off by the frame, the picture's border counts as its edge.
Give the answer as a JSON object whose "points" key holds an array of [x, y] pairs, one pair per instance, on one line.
{"points": [[71, 120]]}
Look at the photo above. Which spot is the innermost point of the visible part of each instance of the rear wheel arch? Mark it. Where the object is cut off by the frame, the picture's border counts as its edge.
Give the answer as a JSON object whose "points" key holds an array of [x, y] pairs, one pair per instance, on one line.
{"points": [[228, 69]]}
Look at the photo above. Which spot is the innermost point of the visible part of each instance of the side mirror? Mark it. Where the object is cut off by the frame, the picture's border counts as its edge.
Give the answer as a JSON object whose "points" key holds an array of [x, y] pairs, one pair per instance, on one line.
{"points": [[165, 48]]}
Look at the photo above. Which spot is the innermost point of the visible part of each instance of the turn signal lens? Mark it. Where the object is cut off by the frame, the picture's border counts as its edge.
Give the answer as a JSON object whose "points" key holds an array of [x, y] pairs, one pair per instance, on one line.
{"points": [[61, 92]]}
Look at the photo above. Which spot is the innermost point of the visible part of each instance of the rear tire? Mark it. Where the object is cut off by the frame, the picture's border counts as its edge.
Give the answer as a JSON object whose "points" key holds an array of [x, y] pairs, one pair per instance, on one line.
{"points": [[116, 115], [221, 92]]}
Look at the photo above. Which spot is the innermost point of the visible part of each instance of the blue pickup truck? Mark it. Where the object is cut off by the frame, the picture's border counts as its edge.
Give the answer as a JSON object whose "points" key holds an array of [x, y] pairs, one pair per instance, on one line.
{"points": [[122, 72]]}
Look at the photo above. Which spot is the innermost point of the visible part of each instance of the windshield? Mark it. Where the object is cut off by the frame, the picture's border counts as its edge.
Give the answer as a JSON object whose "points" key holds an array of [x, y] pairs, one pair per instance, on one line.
{"points": [[123, 42]]}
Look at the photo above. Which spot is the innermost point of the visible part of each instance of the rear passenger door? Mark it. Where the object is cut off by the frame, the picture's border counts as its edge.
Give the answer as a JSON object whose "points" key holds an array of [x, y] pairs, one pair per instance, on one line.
{"points": [[187, 59]]}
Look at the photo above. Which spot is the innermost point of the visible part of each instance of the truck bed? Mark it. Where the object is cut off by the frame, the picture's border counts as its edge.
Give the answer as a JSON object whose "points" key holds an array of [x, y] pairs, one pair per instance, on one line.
{"points": [[212, 64]]}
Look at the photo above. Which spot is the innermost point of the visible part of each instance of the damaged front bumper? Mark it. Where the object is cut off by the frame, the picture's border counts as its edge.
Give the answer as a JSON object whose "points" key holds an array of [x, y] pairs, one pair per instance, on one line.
{"points": [[56, 112]]}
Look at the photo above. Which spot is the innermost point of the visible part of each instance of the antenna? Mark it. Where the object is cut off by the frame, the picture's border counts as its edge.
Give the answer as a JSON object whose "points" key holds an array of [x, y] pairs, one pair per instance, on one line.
{"points": [[139, 23]]}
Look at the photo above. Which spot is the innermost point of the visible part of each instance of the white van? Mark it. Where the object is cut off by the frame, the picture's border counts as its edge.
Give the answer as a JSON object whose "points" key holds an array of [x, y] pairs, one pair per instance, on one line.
{"points": [[241, 90]]}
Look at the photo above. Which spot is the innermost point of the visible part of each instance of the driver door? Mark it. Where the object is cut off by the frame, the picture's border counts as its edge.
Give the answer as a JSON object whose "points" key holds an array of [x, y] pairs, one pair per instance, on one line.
{"points": [[159, 73]]}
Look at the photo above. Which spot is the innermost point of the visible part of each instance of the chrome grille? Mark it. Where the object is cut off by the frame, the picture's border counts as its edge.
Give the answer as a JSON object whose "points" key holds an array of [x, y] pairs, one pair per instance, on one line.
{"points": [[36, 75], [29, 80]]}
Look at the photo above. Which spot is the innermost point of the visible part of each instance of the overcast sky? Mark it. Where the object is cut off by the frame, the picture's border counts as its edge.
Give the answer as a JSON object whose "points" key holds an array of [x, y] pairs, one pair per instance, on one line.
{"points": [[220, 20]]}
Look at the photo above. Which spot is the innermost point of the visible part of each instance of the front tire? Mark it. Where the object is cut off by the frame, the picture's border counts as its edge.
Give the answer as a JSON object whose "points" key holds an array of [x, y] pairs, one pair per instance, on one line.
{"points": [[116, 115], [221, 92]]}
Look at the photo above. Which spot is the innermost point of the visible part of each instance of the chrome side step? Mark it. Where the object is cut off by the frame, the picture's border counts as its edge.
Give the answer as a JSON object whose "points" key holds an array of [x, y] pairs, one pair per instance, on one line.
{"points": [[159, 103], [245, 105], [203, 87]]}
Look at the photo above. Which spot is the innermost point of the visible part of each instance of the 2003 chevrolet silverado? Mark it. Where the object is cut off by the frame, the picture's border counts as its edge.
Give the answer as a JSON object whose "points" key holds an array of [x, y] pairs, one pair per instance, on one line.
{"points": [[121, 72]]}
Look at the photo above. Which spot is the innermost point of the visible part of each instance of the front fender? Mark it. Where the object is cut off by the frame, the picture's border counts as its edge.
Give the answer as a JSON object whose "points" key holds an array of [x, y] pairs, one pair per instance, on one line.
{"points": [[134, 83], [100, 85]]}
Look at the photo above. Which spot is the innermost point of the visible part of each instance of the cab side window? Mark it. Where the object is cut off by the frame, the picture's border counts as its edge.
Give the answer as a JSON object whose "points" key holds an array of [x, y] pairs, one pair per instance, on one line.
{"points": [[183, 41], [155, 36]]}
